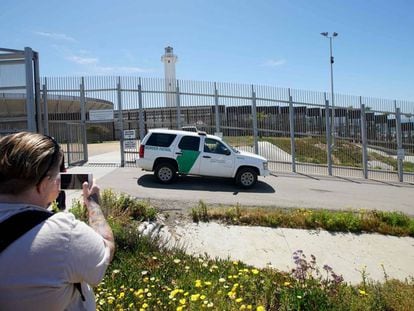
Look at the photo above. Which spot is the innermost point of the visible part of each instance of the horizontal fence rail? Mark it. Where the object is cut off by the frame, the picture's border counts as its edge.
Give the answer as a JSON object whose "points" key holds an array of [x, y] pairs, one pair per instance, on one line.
{"points": [[296, 130]]}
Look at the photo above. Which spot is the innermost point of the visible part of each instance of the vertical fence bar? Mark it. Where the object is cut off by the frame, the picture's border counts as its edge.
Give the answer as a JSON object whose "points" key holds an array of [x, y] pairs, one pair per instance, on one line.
{"points": [[36, 78], [292, 132], [120, 121], [216, 107], [45, 110], [328, 136], [364, 139], [141, 112], [400, 150], [83, 119], [30, 104], [254, 119], [177, 92], [68, 146]]}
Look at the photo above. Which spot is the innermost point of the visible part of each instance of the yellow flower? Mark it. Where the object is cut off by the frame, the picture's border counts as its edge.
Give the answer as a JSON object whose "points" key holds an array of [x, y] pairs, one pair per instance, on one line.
{"points": [[239, 299], [173, 293], [179, 308], [231, 295], [138, 292], [221, 280], [198, 283], [260, 308], [202, 297], [207, 283], [195, 297], [177, 260], [286, 283], [362, 292], [111, 300], [182, 301], [144, 305], [255, 271]]}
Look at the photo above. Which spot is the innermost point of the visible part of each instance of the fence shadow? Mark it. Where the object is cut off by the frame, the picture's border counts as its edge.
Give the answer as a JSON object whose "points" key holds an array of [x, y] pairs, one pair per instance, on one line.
{"points": [[210, 184]]}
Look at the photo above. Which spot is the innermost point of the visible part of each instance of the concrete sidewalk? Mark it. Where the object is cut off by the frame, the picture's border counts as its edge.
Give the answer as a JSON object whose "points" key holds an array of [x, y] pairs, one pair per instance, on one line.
{"points": [[348, 254]]}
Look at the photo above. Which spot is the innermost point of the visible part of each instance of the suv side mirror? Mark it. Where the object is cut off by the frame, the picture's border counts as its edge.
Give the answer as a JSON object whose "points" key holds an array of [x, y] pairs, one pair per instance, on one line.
{"points": [[227, 152]]}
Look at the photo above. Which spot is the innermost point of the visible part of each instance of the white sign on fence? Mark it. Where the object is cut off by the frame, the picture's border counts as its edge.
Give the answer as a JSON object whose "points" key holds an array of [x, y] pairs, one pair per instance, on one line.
{"points": [[130, 144], [101, 115], [129, 134]]}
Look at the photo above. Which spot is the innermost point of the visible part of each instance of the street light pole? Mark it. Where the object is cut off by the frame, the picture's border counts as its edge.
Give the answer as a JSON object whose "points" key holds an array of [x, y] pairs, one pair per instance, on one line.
{"points": [[331, 60]]}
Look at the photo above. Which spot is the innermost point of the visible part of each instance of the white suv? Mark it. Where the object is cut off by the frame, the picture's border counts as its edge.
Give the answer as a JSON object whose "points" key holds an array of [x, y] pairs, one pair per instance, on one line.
{"points": [[168, 152]]}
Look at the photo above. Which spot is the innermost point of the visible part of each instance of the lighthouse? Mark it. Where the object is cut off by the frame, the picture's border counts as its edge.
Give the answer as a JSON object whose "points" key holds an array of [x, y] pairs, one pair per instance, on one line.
{"points": [[169, 60]]}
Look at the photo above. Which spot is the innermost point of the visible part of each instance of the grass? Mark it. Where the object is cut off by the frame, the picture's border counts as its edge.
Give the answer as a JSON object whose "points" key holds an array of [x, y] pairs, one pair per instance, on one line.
{"points": [[148, 276], [372, 221], [313, 150]]}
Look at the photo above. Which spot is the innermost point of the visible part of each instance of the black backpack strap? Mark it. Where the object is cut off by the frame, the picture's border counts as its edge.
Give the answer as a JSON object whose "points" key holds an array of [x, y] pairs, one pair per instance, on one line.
{"points": [[15, 226]]}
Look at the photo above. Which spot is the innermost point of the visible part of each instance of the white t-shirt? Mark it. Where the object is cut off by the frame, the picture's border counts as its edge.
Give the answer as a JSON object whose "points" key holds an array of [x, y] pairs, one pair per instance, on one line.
{"points": [[38, 271]]}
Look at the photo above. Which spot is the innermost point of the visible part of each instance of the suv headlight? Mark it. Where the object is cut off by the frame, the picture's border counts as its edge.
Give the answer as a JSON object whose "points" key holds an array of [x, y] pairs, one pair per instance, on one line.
{"points": [[265, 166]]}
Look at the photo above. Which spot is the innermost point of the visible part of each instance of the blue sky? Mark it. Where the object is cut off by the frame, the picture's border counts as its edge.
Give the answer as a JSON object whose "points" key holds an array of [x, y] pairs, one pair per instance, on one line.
{"points": [[270, 42]]}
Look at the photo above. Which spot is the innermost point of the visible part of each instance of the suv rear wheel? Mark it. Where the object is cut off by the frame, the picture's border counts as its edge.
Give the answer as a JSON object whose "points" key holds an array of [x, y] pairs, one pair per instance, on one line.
{"points": [[246, 177], [165, 172]]}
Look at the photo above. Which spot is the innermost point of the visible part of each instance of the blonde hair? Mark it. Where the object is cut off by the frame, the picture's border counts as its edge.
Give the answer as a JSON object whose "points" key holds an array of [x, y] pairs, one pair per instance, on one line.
{"points": [[25, 159]]}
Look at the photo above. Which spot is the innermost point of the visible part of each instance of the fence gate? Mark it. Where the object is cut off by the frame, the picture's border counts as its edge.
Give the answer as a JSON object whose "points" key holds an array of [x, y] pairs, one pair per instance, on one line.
{"points": [[70, 137]]}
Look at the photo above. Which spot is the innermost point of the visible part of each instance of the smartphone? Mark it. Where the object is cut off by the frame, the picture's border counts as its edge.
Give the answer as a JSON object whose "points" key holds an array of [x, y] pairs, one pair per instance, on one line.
{"points": [[74, 181]]}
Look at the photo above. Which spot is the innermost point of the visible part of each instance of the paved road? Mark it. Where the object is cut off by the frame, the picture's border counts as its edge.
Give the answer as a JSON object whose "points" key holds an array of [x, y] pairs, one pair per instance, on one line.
{"points": [[284, 190]]}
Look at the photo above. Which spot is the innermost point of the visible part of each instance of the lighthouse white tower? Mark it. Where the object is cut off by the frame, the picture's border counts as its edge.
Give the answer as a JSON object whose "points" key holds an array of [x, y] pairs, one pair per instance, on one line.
{"points": [[169, 60]]}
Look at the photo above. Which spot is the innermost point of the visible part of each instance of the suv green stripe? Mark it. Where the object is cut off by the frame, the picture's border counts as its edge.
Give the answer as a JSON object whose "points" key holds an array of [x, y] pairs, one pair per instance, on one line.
{"points": [[187, 160]]}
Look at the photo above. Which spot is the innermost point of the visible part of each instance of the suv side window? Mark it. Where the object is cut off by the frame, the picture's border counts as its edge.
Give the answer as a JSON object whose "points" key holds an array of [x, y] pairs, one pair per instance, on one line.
{"points": [[189, 143], [161, 139], [214, 146]]}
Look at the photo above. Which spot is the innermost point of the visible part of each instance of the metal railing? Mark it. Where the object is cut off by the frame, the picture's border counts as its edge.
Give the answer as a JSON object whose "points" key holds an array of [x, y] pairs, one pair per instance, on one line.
{"points": [[371, 138]]}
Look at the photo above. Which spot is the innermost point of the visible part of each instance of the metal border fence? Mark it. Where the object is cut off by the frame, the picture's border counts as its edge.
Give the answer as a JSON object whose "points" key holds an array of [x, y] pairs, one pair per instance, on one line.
{"points": [[296, 130]]}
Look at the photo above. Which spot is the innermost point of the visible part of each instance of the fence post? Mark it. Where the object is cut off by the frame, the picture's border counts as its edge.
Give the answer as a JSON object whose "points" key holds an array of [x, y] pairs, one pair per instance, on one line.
{"points": [[364, 139], [68, 142], [400, 150], [328, 136], [177, 93], [254, 116], [83, 119], [292, 132], [30, 101], [141, 112], [45, 110], [216, 107], [120, 121]]}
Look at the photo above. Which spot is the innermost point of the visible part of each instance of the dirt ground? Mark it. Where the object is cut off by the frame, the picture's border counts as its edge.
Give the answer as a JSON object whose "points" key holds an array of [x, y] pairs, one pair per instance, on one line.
{"points": [[100, 148]]}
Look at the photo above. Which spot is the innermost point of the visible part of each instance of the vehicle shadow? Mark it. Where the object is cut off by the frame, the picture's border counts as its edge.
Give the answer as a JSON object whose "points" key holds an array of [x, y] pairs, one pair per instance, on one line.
{"points": [[203, 184]]}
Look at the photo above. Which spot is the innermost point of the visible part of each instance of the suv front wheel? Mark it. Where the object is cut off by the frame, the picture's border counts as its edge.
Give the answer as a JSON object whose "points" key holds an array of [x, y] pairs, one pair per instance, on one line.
{"points": [[246, 177], [165, 172]]}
